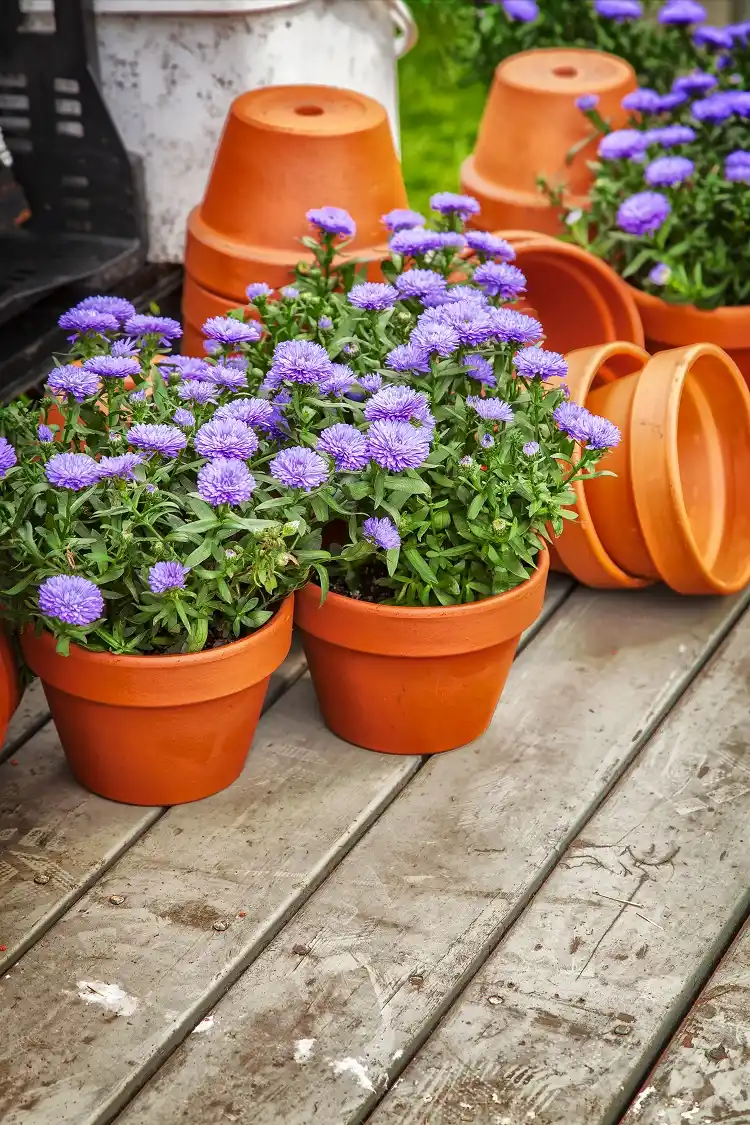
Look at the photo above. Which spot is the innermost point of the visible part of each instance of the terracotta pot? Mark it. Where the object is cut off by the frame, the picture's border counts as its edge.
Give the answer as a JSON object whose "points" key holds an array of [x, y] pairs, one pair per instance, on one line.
{"points": [[198, 304], [411, 680], [530, 125], [10, 691], [159, 730], [579, 299], [679, 509], [286, 149], [672, 326]]}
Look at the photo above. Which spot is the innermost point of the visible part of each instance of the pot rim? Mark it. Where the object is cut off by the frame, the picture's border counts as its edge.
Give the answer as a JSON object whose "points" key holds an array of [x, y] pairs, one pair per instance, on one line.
{"points": [[423, 631], [728, 326], [579, 547]]}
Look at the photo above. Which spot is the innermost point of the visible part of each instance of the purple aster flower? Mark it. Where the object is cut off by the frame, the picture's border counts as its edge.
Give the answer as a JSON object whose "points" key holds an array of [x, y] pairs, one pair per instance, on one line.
{"points": [[489, 245], [419, 283], [227, 330], [81, 321], [737, 173], [211, 347], [450, 203], [741, 103], [252, 411], [434, 298], [670, 135], [225, 481], [537, 363], [112, 367], [434, 339], [531, 448], [337, 384], [373, 295], [525, 11], [486, 441], [452, 238], [400, 403], [472, 321], [71, 598], [258, 289], [370, 383], [183, 417], [714, 109], [198, 391], [347, 445], [333, 220], [696, 83], [115, 306], [622, 144], [600, 432], [644, 100], [298, 467], [480, 369], [325, 323], [402, 218], [671, 101], [643, 213], [398, 445], [466, 462], [137, 396], [660, 274], [44, 433], [300, 361], [716, 38], [407, 357], [162, 326], [157, 438], [739, 156], [75, 381], [382, 532], [413, 243], [570, 418], [225, 437], [230, 376], [619, 10], [188, 367], [467, 293], [164, 576], [122, 466], [680, 12], [513, 327], [587, 102], [490, 409], [668, 171], [289, 292], [500, 279], [8, 454], [75, 471], [124, 348]]}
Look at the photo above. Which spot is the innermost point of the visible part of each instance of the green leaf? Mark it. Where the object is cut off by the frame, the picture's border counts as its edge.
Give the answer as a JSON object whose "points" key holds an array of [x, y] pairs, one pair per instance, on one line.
{"points": [[323, 581], [412, 486], [476, 506], [391, 560], [423, 570], [200, 554]]}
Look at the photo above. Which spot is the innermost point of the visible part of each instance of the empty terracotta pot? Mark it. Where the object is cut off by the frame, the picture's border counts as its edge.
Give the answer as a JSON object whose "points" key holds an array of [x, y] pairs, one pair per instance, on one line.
{"points": [[159, 730], [671, 326], [9, 683], [579, 299], [679, 508], [198, 304], [286, 149], [530, 125], [407, 680]]}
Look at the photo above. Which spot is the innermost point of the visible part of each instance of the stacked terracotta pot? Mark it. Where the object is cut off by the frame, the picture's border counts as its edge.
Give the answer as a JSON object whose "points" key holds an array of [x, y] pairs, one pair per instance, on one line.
{"points": [[284, 150]]}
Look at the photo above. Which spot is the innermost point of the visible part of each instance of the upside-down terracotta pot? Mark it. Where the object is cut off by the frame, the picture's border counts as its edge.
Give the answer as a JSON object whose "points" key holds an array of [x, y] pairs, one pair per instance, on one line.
{"points": [[678, 509], [408, 680], [672, 326], [530, 125], [579, 299], [9, 683], [159, 730], [284, 150], [198, 304]]}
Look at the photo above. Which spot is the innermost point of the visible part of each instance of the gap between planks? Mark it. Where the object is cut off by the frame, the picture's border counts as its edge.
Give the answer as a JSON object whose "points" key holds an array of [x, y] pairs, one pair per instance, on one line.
{"points": [[337, 1004], [284, 756]]}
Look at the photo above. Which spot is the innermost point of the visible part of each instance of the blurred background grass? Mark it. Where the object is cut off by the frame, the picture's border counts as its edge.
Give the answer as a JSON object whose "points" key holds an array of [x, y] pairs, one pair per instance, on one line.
{"points": [[439, 116]]}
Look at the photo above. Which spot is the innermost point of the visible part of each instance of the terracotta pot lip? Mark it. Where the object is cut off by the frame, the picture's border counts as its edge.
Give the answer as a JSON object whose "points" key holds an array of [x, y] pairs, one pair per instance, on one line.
{"points": [[166, 663], [731, 313], [474, 180], [436, 613], [574, 84], [319, 126]]}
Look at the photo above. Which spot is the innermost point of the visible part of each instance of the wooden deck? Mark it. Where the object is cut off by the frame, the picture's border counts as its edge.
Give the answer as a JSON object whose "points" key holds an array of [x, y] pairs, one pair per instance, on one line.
{"points": [[548, 927]]}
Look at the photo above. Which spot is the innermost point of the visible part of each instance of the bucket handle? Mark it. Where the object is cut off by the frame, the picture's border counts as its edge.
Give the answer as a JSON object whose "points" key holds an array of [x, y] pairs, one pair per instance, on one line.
{"points": [[405, 26]]}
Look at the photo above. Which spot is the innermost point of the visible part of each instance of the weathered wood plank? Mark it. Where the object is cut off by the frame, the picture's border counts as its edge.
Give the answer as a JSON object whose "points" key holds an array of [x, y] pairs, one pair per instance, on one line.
{"points": [[55, 838], [30, 716], [705, 1074], [338, 1002], [201, 894], [564, 1020]]}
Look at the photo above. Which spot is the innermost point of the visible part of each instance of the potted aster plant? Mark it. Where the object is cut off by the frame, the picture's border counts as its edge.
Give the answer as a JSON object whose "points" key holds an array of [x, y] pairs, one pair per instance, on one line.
{"points": [[151, 575], [441, 421]]}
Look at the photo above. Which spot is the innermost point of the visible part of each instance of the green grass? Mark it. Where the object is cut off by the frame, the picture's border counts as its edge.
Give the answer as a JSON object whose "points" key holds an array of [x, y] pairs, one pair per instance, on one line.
{"points": [[439, 118]]}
